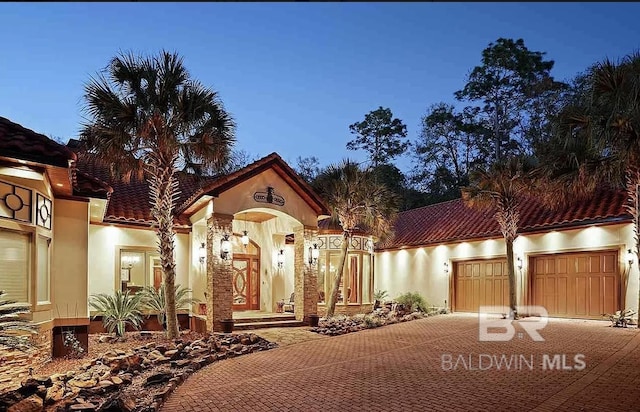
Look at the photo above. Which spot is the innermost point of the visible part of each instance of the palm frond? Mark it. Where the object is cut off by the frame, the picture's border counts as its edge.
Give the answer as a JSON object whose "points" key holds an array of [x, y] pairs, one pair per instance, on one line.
{"points": [[118, 310], [14, 328]]}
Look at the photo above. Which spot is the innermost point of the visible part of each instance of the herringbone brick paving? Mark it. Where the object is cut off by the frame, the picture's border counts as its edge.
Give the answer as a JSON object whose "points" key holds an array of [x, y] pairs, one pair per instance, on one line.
{"points": [[399, 367]]}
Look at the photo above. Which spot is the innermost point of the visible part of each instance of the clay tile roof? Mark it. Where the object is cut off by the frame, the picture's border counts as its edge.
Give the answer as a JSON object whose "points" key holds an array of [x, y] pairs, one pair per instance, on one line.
{"points": [[18, 142], [129, 202], [453, 221], [89, 186]]}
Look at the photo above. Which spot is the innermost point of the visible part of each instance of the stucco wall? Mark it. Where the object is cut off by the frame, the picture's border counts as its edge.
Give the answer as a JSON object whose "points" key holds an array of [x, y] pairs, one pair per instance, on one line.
{"points": [[422, 269], [104, 242], [69, 258], [240, 198]]}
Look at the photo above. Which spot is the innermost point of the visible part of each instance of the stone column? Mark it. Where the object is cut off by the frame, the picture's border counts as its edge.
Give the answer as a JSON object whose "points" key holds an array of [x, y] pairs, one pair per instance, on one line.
{"points": [[306, 275], [219, 273]]}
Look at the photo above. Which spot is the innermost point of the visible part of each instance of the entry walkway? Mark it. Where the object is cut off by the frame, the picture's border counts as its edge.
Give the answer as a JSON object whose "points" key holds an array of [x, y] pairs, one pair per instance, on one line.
{"points": [[429, 364]]}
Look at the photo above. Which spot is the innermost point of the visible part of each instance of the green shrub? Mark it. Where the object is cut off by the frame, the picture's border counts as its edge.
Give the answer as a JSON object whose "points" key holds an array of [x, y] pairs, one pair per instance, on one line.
{"points": [[380, 295], [13, 325], [118, 310], [413, 301], [154, 299]]}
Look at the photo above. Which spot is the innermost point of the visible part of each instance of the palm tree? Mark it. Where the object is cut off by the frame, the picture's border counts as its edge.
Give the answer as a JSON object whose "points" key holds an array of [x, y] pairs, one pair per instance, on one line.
{"points": [[603, 122], [11, 324], [356, 201], [501, 187], [148, 117]]}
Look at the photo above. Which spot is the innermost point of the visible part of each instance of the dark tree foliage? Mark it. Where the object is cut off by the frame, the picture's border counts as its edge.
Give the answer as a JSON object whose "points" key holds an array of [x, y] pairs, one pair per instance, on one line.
{"points": [[380, 135], [307, 168], [514, 90]]}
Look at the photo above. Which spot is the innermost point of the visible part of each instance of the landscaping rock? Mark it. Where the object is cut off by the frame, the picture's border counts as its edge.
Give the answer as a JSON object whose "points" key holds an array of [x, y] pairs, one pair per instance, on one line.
{"points": [[116, 380], [31, 404], [158, 378], [54, 394]]}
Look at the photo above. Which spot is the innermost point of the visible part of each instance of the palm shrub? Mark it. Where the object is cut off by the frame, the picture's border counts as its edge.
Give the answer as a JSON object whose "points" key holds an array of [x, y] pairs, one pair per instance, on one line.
{"points": [[118, 310], [413, 301], [12, 324], [378, 297], [155, 300]]}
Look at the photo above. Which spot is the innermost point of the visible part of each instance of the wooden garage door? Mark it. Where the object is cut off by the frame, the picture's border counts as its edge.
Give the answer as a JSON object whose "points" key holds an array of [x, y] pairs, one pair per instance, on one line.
{"points": [[480, 282], [576, 285]]}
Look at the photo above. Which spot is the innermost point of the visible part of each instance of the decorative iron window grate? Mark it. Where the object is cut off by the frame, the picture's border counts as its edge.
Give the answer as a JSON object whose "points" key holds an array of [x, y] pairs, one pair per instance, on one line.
{"points": [[15, 202], [43, 212]]}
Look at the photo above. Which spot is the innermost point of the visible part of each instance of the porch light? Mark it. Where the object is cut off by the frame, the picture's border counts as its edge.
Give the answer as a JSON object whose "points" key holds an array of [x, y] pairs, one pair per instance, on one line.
{"points": [[245, 239], [280, 258], [314, 254], [245, 234], [225, 247], [519, 262], [202, 252], [446, 268], [630, 257]]}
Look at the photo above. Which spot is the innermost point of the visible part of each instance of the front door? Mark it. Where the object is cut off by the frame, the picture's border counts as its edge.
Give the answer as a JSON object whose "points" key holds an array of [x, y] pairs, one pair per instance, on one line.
{"points": [[245, 283]]}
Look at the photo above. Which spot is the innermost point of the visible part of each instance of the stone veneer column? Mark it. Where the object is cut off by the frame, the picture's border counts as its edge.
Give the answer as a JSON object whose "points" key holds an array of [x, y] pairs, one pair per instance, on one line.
{"points": [[219, 273], [305, 275]]}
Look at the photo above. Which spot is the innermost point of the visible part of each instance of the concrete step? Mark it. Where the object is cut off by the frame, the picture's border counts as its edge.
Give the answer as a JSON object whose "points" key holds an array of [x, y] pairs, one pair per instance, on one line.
{"points": [[269, 324], [266, 318]]}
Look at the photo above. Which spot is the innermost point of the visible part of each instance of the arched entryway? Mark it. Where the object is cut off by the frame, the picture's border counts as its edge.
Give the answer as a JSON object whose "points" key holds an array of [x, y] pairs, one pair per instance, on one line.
{"points": [[245, 274]]}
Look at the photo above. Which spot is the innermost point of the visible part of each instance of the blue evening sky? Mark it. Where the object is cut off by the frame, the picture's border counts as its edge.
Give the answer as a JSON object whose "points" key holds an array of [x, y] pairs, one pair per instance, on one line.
{"points": [[294, 75]]}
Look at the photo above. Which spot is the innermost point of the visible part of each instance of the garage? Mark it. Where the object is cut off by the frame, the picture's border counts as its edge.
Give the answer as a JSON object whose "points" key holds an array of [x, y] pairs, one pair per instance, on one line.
{"points": [[576, 285], [480, 283]]}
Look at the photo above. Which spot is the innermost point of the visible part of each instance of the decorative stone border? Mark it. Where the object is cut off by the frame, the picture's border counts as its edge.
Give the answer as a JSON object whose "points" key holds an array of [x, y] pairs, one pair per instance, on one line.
{"points": [[135, 380]]}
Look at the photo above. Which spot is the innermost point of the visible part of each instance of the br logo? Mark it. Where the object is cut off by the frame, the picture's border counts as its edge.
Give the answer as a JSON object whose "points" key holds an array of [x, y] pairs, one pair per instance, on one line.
{"points": [[495, 326]]}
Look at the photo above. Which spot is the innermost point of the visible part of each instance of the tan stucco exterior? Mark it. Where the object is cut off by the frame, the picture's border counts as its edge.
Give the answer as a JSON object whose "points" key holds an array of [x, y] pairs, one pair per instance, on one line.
{"points": [[106, 240], [240, 198], [69, 258], [422, 269]]}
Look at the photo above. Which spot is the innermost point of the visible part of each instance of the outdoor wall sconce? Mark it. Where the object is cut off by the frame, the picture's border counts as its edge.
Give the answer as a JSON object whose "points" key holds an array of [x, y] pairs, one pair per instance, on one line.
{"points": [[630, 257], [225, 247], [280, 258], [202, 253], [314, 254], [519, 262], [446, 268]]}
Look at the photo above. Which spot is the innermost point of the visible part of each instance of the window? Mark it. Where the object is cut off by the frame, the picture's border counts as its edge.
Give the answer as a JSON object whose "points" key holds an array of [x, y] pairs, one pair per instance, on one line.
{"points": [[42, 280], [14, 255], [139, 268], [357, 278], [322, 293], [353, 284], [367, 279]]}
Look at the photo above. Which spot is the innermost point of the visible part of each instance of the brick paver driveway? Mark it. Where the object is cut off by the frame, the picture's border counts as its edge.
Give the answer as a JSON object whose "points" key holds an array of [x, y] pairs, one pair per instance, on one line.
{"points": [[400, 367]]}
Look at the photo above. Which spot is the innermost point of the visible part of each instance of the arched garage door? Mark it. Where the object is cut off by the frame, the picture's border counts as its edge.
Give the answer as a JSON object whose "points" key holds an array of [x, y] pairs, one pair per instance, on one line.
{"points": [[480, 283], [576, 285]]}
